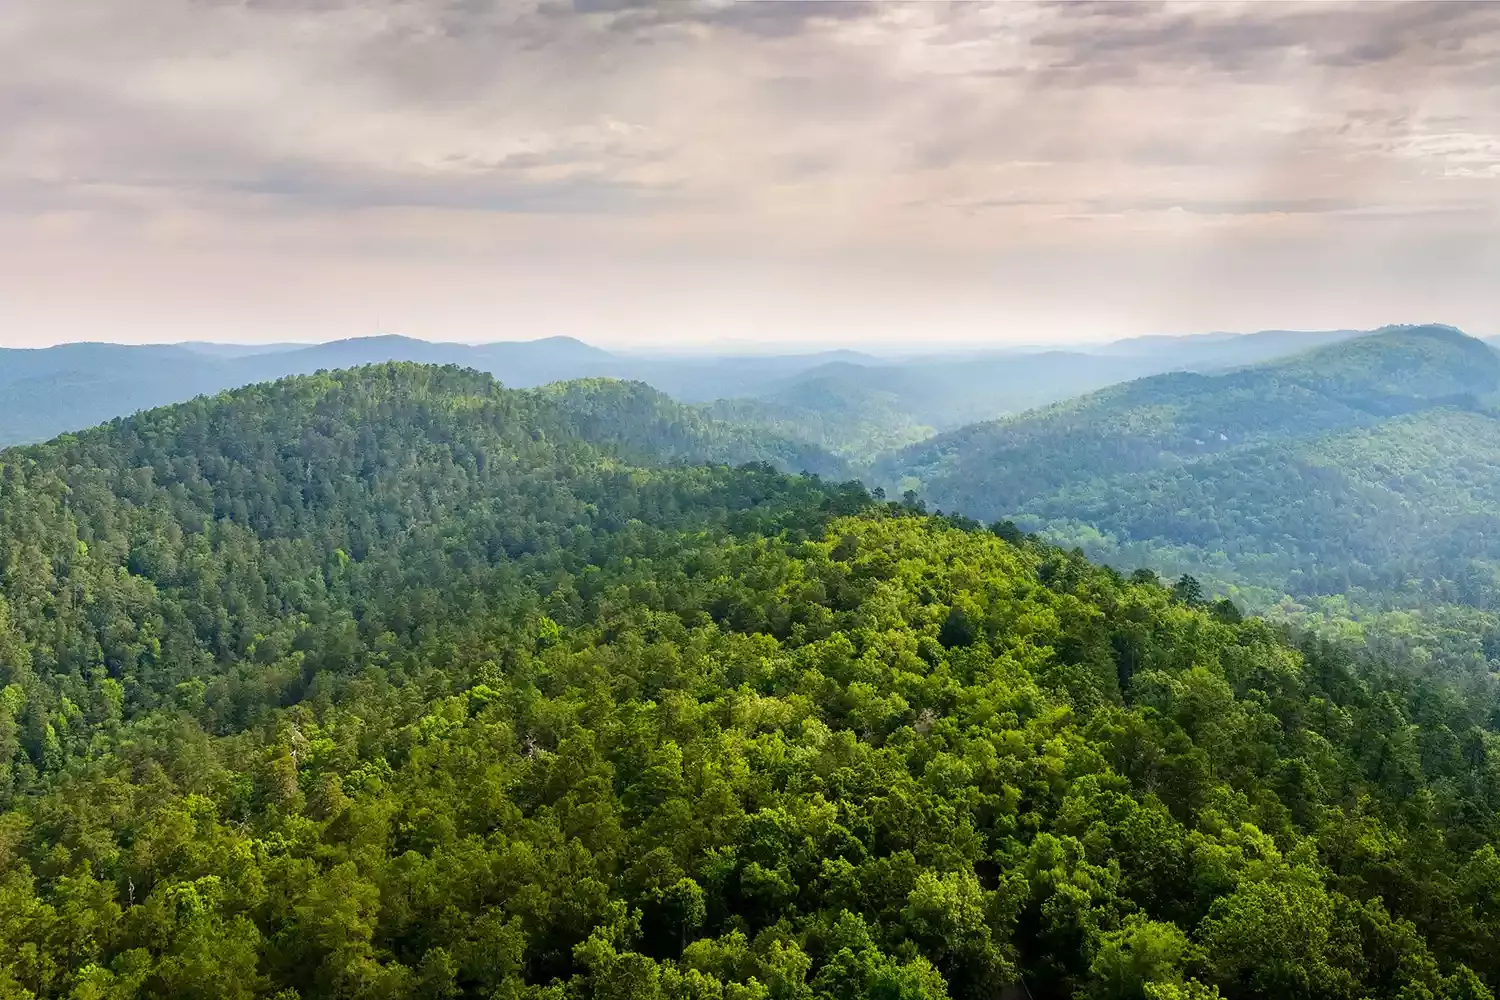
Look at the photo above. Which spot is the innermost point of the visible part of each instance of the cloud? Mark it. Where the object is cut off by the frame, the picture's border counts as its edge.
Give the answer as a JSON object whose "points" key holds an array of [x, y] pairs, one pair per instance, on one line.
{"points": [[1208, 207], [734, 99], [1245, 38], [767, 18], [685, 131]]}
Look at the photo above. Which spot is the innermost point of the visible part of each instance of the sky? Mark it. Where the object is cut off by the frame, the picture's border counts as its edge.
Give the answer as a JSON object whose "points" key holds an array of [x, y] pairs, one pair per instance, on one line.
{"points": [[697, 172]]}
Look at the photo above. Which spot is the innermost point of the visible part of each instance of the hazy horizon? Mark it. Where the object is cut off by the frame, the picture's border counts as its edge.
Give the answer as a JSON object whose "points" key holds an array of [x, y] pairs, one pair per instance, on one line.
{"points": [[801, 175], [886, 351]]}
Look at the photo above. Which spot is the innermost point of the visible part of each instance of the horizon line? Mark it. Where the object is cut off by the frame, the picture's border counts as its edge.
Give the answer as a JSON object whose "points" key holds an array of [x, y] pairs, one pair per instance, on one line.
{"points": [[730, 347]]}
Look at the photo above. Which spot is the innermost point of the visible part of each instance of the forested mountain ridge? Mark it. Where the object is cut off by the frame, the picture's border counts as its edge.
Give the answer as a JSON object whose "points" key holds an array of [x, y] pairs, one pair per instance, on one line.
{"points": [[861, 410], [1365, 469], [990, 469], [855, 420], [1217, 351], [387, 683], [1399, 369], [1402, 514], [652, 428], [48, 391], [852, 403]]}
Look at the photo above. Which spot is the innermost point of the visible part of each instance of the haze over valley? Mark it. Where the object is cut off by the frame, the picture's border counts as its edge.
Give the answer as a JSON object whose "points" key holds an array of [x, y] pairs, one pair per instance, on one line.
{"points": [[51, 390]]}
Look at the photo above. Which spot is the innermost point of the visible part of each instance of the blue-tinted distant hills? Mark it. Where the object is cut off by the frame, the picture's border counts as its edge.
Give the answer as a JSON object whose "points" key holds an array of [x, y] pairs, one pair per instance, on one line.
{"points": [[847, 401], [1304, 464], [1368, 468]]}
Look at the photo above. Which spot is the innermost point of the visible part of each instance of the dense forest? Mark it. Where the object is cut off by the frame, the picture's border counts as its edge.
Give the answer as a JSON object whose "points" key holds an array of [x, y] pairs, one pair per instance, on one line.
{"points": [[856, 421], [1361, 475], [396, 683]]}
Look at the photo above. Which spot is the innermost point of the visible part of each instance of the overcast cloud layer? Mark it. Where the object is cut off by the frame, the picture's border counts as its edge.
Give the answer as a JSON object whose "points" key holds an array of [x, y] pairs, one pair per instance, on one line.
{"points": [[805, 171]]}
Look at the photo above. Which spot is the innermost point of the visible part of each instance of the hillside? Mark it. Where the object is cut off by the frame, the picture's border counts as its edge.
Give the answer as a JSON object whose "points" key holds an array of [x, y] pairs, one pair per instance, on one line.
{"points": [[843, 415], [647, 426], [1403, 513], [1217, 351], [390, 683], [851, 403], [48, 391], [1365, 467], [863, 409]]}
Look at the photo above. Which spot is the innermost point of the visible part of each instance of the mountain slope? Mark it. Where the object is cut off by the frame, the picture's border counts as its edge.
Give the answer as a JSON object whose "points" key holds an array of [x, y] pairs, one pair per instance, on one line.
{"points": [[860, 410], [48, 391], [52, 390], [389, 683], [840, 414], [1277, 475], [1400, 514], [1398, 370], [1218, 351], [649, 427]]}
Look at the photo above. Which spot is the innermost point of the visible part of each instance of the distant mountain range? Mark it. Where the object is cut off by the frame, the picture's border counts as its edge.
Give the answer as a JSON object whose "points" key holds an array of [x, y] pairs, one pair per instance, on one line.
{"points": [[1277, 466], [1369, 468], [850, 403]]}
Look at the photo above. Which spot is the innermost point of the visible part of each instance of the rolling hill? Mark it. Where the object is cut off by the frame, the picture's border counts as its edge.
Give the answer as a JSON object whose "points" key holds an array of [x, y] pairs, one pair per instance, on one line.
{"points": [[648, 426], [1208, 351], [396, 683], [863, 409], [850, 416], [1366, 468], [847, 402], [48, 391]]}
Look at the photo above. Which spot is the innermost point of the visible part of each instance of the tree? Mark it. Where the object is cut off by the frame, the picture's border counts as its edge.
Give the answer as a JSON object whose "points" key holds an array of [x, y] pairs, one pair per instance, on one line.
{"points": [[1143, 954], [1188, 590]]}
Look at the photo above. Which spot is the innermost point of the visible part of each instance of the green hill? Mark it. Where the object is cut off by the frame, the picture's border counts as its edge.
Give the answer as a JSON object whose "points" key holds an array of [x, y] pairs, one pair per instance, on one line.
{"points": [[1398, 370], [648, 426], [842, 415], [1366, 466], [395, 683], [861, 409], [44, 392], [842, 401]]}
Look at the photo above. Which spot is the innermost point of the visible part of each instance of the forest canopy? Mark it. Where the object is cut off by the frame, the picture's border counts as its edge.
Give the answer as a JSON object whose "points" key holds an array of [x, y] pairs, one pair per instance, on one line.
{"points": [[395, 683]]}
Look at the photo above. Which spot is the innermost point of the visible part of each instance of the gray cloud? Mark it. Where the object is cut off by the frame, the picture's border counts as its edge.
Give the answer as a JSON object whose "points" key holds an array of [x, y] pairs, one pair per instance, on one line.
{"points": [[1256, 206], [769, 18], [1190, 206], [1256, 37], [743, 135]]}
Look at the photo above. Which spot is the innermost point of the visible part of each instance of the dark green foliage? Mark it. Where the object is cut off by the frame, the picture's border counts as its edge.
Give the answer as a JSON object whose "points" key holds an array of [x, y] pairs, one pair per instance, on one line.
{"points": [[394, 683], [958, 629], [1188, 590], [645, 425], [1008, 531]]}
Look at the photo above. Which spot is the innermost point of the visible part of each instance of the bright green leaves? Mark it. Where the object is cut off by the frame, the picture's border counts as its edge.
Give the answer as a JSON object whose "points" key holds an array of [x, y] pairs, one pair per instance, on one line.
{"points": [[1276, 938], [1141, 954]]}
